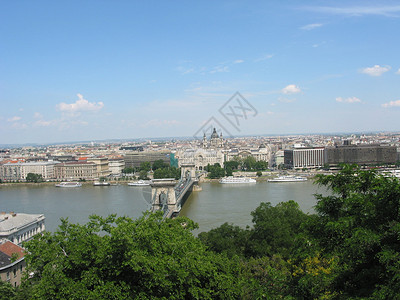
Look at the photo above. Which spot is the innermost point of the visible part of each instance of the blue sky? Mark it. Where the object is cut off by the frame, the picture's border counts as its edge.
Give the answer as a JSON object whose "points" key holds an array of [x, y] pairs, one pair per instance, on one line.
{"points": [[90, 70]]}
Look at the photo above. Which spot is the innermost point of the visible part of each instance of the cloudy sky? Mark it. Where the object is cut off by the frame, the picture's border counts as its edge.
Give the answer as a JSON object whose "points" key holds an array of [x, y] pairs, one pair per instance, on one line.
{"points": [[90, 70]]}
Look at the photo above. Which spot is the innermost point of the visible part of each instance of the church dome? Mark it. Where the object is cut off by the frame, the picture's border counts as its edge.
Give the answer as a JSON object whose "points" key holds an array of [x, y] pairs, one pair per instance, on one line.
{"points": [[214, 135]]}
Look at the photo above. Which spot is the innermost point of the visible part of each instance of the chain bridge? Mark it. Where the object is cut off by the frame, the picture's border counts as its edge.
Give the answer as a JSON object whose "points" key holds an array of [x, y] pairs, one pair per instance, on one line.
{"points": [[168, 195]]}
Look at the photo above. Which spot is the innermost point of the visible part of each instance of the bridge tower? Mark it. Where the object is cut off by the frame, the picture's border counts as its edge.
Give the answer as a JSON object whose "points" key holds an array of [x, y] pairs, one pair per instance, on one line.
{"points": [[163, 194], [188, 170]]}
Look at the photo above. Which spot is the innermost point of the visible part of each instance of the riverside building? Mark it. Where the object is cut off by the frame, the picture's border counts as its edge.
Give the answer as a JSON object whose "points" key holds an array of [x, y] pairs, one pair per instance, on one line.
{"points": [[20, 227], [17, 171], [308, 158]]}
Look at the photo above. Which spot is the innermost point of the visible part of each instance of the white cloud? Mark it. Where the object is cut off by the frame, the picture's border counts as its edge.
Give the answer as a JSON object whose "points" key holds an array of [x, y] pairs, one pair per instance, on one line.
{"points": [[37, 115], [238, 61], [291, 89], [264, 57], [398, 71], [311, 26], [220, 69], [14, 119], [43, 123], [391, 104], [286, 100], [80, 105], [348, 100], [376, 70], [388, 11]]}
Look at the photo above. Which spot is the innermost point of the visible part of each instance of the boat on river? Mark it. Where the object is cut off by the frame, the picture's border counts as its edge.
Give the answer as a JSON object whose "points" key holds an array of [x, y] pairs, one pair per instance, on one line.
{"points": [[288, 178], [69, 184], [236, 180], [140, 183], [101, 183]]}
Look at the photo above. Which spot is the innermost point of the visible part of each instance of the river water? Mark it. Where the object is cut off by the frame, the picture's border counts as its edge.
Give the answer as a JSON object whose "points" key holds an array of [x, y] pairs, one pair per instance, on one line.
{"points": [[211, 207]]}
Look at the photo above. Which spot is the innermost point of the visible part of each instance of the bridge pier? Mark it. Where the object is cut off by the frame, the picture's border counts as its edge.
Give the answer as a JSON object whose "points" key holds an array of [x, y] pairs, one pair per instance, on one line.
{"points": [[168, 194], [163, 194]]}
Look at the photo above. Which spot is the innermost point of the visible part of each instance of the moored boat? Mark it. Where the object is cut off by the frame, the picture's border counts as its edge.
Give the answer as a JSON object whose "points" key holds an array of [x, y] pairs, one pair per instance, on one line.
{"points": [[69, 184], [140, 183], [289, 178], [101, 183], [236, 180]]}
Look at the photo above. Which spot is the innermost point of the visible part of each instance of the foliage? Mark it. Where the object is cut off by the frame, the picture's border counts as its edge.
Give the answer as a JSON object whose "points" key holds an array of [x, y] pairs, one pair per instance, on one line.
{"points": [[145, 166], [259, 173], [32, 177], [121, 258], [7, 291], [128, 170], [159, 164], [266, 278], [277, 229], [228, 239], [215, 171], [143, 175], [233, 165], [360, 224], [168, 172]]}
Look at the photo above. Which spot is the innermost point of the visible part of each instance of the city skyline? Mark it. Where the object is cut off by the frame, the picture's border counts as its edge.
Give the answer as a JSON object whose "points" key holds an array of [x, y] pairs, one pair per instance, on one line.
{"points": [[103, 70]]}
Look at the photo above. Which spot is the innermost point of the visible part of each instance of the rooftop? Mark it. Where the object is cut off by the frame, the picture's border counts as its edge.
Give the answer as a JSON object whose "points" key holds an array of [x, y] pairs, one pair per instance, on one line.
{"points": [[13, 221]]}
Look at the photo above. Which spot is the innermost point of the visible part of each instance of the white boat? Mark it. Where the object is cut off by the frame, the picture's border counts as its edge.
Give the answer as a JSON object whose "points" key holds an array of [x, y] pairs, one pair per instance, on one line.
{"points": [[101, 183], [237, 180], [69, 184], [139, 183], [289, 178]]}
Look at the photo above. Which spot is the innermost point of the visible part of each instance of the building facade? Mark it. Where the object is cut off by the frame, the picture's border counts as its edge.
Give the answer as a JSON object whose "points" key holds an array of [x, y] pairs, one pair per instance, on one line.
{"points": [[134, 159], [102, 167], [116, 166], [19, 227], [76, 170], [361, 154], [12, 263], [19, 170], [308, 158], [200, 158]]}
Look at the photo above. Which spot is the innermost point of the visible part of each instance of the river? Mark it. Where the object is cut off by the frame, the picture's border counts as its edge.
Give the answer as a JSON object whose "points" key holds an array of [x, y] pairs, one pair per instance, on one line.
{"points": [[211, 207]]}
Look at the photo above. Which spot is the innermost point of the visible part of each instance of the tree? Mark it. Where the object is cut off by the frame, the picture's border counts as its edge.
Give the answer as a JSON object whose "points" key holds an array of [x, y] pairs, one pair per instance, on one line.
{"points": [[360, 223], [159, 164], [128, 170], [249, 163], [145, 166], [121, 258], [277, 229], [233, 165], [168, 172], [259, 173], [32, 177], [7, 291], [143, 175], [215, 171], [228, 239]]}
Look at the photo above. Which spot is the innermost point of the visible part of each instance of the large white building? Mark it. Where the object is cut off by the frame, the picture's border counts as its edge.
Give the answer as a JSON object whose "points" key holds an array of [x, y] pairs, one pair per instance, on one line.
{"points": [[19, 170], [200, 157], [19, 227], [261, 153], [305, 157], [116, 166]]}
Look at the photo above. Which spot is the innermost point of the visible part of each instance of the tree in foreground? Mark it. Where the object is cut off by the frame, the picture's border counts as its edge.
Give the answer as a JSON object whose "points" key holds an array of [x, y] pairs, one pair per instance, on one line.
{"points": [[360, 225], [121, 258]]}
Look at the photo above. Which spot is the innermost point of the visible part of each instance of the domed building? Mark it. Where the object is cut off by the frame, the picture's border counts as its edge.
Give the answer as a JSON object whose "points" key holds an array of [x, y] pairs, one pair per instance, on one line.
{"points": [[216, 141]]}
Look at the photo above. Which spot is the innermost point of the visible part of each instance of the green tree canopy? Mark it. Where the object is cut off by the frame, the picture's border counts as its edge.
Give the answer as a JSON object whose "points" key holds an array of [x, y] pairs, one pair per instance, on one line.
{"points": [[32, 177], [145, 166], [158, 164], [360, 224], [121, 258]]}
